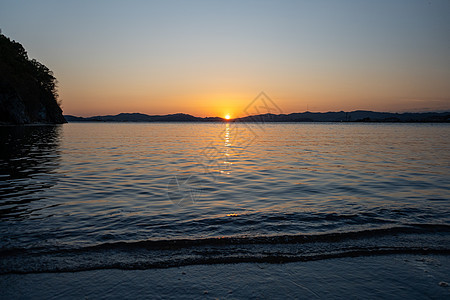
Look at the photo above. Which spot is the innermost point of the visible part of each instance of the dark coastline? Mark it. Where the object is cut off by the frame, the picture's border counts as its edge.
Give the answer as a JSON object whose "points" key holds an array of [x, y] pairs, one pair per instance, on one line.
{"points": [[353, 116], [28, 89]]}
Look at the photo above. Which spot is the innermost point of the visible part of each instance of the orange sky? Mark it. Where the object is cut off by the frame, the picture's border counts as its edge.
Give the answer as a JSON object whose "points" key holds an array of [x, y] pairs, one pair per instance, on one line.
{"points": [[210, 58]]}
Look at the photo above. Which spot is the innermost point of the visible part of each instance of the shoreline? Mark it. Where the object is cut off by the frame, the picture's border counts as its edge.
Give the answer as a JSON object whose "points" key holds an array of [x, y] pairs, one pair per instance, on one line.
{"points": [[391, 276]]}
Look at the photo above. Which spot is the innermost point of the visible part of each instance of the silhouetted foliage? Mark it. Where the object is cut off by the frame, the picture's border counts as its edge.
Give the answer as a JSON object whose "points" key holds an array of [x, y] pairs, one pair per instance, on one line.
{"points": [[14, 55], [28, 89]]}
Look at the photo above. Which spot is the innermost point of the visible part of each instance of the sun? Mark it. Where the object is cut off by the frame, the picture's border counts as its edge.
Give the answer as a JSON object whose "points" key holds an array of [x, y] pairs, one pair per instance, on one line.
{"points": [[227, 117]]}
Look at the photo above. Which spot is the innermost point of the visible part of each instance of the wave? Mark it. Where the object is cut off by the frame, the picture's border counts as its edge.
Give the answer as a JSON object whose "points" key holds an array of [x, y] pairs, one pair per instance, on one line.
{"points": [[406, 239]]}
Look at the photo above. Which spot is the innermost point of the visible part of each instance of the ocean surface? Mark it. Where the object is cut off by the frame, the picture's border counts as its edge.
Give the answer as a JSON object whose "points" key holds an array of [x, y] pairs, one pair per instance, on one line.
{"points": [[86, 196]]}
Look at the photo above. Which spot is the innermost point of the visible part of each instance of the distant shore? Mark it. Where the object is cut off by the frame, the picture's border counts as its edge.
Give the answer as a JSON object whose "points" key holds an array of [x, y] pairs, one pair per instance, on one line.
{"points": [[353, 116]]}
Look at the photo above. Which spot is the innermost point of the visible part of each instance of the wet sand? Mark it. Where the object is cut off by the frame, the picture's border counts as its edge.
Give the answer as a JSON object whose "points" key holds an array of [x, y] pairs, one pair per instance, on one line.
{"points": [[390, 276]]}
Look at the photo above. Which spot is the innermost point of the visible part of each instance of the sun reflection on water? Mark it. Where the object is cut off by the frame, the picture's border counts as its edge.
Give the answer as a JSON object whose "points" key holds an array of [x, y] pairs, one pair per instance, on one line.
{"points": [[226, 164], [232, 215]]}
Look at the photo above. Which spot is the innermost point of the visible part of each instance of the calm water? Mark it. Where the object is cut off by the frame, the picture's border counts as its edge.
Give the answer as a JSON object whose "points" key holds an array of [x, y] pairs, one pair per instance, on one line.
{"points": [[108, 195]]}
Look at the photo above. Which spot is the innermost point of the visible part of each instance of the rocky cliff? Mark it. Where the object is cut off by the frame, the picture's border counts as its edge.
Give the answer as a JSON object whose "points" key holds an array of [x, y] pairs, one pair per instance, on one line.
{"points": [[28, 92]]}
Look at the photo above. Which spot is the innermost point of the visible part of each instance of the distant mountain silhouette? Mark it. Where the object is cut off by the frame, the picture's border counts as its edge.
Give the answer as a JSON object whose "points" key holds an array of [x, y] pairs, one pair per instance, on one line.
{"points": [[27, 88], [137, 117], [354, 116]]}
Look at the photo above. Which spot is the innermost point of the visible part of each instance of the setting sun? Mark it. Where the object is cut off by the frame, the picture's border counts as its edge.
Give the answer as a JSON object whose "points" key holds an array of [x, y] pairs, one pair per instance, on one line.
{"points": [[227, 116]]}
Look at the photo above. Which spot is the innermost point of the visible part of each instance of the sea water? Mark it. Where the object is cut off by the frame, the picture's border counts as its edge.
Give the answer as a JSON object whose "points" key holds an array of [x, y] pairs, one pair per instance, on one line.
{"points": [[85, 196]]}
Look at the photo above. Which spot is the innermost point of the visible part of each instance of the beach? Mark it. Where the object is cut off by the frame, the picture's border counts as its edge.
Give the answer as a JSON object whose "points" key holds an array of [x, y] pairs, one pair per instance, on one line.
{"points": [[374, 277]]}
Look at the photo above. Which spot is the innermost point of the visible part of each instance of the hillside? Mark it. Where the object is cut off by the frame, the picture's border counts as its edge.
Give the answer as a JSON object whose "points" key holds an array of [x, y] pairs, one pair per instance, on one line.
{"points": [[138, 117], [28, 93], [354, 116]]}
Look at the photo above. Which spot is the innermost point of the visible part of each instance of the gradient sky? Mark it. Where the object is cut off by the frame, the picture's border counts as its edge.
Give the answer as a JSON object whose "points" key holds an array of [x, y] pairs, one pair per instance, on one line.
{"points": [[210, 58]]}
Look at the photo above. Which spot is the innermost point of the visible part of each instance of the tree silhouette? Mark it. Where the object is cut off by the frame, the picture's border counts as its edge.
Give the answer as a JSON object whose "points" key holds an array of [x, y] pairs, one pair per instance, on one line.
{"points": [[28, 89], [14, 55]]}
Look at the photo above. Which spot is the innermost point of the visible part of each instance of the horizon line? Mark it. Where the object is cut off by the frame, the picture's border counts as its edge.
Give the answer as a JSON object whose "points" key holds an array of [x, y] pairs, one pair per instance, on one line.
{"points": [[181, 113]]}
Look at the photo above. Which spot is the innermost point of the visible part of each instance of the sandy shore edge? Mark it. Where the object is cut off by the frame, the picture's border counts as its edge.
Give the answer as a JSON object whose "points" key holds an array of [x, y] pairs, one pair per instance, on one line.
{"points": [[389, 276]]}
